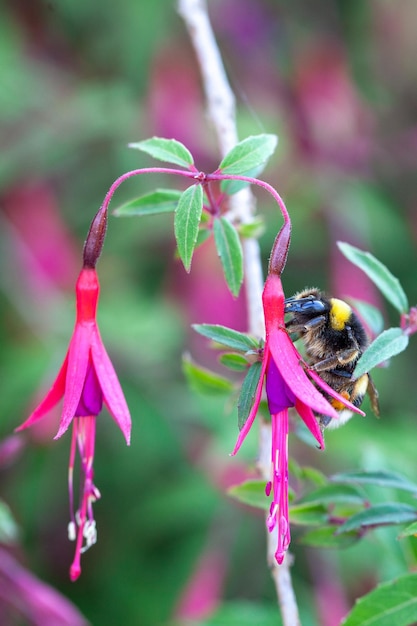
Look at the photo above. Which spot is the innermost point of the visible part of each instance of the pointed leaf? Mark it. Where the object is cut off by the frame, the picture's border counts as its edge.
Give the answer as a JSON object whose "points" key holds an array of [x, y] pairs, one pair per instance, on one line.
{"points": [[386, 282], [409, 531], [253, 229], [231, 186], [370, 315], [313, 475], [391, 603], [251, 492], [169, 150], [202, 236], [186, 223], [247, 393], [230, 252], [234, 361], [380, 515], [325, 537], [308, 514], [203, 380], [335, 494], [388, 344], [307, 473], [158, 201], [227, 337], [9, 530], [381, 478], [248, 154]]}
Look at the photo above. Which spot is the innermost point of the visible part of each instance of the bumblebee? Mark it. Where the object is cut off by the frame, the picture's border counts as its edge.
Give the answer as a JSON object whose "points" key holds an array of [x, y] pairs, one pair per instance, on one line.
{"points": [[334, 339]]}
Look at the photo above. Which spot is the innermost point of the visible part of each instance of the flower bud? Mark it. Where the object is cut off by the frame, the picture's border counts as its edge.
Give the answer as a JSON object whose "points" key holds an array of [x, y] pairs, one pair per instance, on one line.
{"points": [[279, 252], [95, 239]]}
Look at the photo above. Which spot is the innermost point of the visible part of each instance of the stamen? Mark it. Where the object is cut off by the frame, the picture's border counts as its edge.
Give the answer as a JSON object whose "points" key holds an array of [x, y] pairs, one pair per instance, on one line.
{"points": [[283, 525], [72, 531], [90, 534]]}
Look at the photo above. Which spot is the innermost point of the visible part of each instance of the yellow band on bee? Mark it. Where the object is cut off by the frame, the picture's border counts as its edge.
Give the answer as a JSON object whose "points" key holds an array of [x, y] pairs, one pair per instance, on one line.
{"points": [[340, 313]]}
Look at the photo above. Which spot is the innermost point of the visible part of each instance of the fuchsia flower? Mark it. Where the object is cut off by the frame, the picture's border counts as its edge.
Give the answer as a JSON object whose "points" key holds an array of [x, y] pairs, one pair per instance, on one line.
{"points": [[85, 381], [287, 385]]}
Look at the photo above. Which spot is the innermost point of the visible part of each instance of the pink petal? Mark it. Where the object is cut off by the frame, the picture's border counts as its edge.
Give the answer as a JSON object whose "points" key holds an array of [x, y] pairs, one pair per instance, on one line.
{"points": [[112, 391], [53, 396], [310, 421], [287, 361], [247, 426], [321, 383], [78, 357]]}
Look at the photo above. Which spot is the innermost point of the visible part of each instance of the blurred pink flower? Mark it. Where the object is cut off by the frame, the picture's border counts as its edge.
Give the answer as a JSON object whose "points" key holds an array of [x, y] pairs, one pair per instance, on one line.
{"points": [[203, 592], [23, 596], [86, 380]]}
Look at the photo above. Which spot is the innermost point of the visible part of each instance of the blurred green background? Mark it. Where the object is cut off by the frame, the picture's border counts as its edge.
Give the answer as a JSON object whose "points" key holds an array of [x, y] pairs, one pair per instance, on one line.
{"points": [[335, 80]]}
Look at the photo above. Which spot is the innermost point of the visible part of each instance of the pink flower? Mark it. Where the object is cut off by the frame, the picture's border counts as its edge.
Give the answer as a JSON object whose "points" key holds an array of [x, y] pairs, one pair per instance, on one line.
{"points": [[85, 381], [287, 385]]}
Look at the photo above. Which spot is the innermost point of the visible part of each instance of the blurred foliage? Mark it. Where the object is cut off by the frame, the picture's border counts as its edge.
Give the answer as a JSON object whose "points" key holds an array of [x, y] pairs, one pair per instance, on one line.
{"points": [[336, 82]]}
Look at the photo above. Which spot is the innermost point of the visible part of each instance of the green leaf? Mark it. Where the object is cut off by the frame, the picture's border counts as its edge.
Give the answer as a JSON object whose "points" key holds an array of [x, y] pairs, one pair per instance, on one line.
{"points": [[308, 514], [306, 473], [230, 252], [253, 229], [251, 492], [248, 154], [335, 494], [386, 282], [186, 222], [389, 343], [313, 475], [380, 515], [325, 537], [409, 531], [169, 150], [227, 337], [234, 361], [391, 604], [370, 315], [202, 236], [382, 478], [231, 186], [158, 201], [247, 393], [8, 528], [203, 380]]}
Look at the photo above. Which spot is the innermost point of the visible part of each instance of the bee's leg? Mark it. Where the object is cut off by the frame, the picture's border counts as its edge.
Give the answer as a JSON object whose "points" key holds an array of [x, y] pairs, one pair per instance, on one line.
{"points": [[316, 322], [324, 421], [341, 358], [373, 395]]}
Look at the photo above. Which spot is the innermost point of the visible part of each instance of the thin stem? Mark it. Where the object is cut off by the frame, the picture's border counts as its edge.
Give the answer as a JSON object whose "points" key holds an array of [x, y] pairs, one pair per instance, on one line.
{"points": [[254, 181], [221, 105], [144, 170]]}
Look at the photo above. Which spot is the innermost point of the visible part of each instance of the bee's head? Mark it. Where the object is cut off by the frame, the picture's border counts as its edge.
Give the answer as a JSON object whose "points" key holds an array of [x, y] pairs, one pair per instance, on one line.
{"points": [[310, 305]]}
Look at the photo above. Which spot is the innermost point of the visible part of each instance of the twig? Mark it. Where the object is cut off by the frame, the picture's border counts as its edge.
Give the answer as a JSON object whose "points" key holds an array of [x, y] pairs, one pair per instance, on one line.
{"points": [[221, 109]]}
